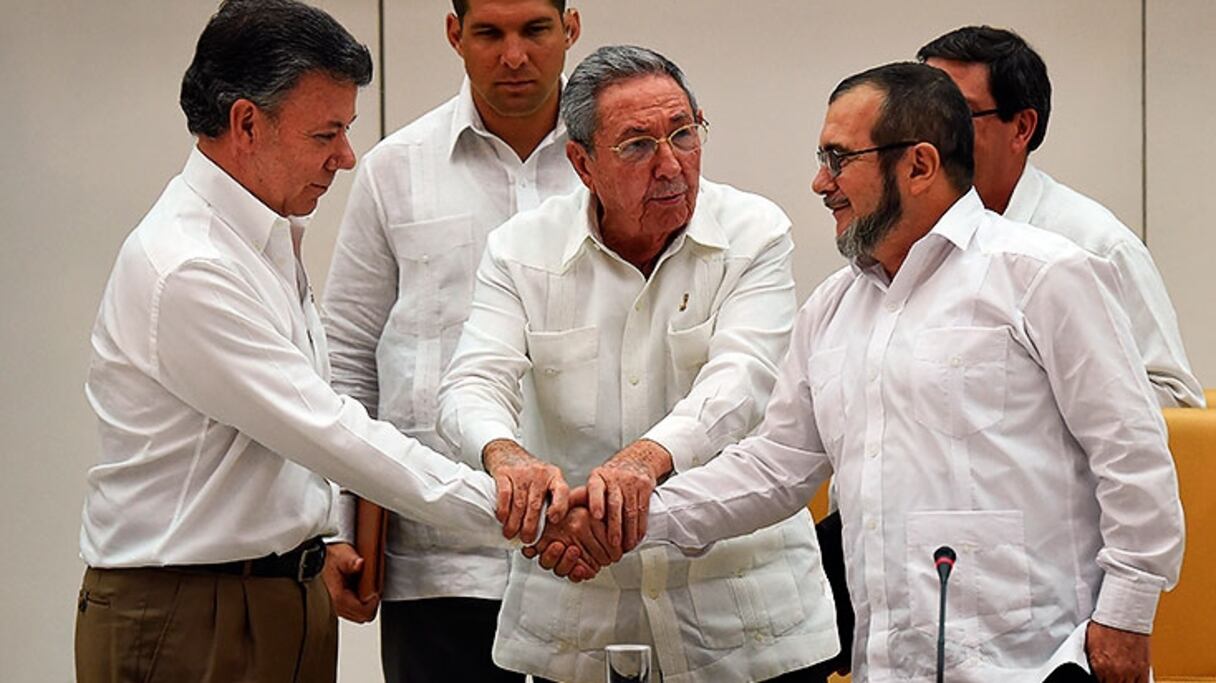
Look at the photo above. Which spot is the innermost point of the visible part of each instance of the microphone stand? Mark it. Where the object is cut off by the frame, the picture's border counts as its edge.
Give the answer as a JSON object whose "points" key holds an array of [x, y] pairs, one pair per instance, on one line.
{"points": [[943, 559]]}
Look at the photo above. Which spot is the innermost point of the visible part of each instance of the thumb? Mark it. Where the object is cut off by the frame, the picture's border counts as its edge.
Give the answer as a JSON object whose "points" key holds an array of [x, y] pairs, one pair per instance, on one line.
{"points": [[354, 563]]}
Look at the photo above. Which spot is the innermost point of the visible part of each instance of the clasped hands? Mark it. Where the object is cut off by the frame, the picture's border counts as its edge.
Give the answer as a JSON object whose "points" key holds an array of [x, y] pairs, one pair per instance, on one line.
{"points": [[588, 527]]}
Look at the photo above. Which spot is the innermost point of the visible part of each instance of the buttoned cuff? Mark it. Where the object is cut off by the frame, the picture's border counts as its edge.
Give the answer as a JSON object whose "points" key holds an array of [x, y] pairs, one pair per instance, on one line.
{"points": [[656, 522], [477, 435], [345, 510], [686, 440], [1127, 603]]}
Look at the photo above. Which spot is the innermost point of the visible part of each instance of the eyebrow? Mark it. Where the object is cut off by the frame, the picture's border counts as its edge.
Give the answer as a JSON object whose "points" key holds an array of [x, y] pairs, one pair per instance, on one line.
{"points": [[636, 130]]}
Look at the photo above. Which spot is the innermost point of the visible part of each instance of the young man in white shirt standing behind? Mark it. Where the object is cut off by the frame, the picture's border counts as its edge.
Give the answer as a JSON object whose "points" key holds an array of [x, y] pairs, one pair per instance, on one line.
{"points": [[400, 288]]}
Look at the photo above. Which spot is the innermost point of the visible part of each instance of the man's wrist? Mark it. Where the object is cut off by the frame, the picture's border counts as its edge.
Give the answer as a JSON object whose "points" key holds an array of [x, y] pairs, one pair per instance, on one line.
{"points": [[658, 459]]}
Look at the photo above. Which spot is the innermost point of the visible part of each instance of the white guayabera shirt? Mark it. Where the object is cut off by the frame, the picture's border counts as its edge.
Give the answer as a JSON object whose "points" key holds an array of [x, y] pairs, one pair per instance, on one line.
{"points": [[989, 398], [686, 357], [1044, 203], [399, 289], [209, 380]]}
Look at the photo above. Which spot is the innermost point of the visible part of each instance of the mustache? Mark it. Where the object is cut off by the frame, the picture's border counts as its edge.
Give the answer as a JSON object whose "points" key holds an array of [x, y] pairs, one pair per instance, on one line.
{"points": [[667, 190], [833, 202]]}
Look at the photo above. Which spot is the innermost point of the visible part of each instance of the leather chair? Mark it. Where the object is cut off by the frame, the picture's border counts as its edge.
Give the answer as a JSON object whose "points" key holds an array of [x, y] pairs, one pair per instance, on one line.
{"points": [[1182, 634]]}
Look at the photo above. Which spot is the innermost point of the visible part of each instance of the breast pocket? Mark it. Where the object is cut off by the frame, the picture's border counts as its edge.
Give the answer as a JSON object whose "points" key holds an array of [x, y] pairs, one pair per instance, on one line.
{"points": [[689, 349], [564, 372], [827, 392], [958, 378], [436, 262], [988, 592]]}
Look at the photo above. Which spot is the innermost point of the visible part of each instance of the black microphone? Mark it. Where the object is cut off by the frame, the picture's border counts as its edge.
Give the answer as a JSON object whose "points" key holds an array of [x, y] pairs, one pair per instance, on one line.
{"points": [[943, 559]]}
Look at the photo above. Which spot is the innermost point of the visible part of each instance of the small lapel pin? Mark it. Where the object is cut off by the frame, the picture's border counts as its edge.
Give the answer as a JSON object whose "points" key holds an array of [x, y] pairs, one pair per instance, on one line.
{"points": [[684, 302]]}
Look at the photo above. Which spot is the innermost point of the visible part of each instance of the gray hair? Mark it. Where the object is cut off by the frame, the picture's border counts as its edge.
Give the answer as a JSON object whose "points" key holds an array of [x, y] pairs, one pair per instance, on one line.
{"points": [[607, 65]]}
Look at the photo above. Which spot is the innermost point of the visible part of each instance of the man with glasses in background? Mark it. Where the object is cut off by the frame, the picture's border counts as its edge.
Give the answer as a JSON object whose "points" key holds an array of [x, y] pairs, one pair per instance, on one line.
{"points": [[400, 287], [1005, 83], [638, 324]]}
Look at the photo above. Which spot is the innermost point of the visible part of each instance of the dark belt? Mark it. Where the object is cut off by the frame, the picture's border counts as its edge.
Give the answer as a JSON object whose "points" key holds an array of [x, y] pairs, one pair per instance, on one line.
{"points": [[302, 564]]}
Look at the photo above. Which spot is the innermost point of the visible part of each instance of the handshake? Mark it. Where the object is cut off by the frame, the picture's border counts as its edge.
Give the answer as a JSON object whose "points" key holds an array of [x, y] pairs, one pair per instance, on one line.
{"points": [[588, 527]]}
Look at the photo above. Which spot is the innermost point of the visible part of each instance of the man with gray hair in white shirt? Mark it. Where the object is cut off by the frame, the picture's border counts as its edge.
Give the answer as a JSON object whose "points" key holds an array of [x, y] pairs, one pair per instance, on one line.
{"points": [[973, 383], [637, 324], [399, 289]]}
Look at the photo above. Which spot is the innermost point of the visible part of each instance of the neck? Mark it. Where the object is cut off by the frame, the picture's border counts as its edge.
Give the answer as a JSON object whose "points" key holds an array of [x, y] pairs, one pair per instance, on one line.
{"points": [[521, 133], [639, 250], [222, 154], [996, 198], [915, 224]]}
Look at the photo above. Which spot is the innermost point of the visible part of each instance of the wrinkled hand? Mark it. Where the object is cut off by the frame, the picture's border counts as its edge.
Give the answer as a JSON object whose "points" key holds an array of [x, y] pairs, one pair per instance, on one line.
{"points": [[574, 547], [523, 481], [1117, 656], [619, 492], [341, 575]]}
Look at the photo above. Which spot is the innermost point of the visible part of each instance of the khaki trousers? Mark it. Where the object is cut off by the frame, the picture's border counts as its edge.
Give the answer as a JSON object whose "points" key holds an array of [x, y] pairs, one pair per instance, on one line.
{"points": [[152, 624]]}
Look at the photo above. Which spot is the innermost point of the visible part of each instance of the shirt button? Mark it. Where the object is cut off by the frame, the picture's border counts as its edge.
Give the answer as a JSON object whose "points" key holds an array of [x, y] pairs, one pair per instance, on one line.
{"points": [[759, 637], [871, 524], [550, 371], [653, 593], [892, 307], [955, 361], [425, 258], [873, 452], [633, 381], [637, 306]]}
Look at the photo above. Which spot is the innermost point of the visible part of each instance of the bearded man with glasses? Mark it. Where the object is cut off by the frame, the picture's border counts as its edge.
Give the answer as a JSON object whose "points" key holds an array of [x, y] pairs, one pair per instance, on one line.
{"points": [[626, 333]]}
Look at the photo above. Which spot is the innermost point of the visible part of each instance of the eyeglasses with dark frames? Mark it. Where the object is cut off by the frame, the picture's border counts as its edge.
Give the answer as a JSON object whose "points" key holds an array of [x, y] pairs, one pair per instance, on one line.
{"points": [[834, 160], [984, 112]]}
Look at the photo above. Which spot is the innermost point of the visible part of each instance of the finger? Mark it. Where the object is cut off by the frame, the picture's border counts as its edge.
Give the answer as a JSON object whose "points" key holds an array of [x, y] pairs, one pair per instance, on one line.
{"points": [[594, 544], [550, 556], [599, 531], [595, 495], [536, 501], [569, 559], [630, 522], [578, 496], [615, 503], [559, 498], [519, 508], [503, 508], [582, 572], [352, 565], [528, 551], [644, 514]]}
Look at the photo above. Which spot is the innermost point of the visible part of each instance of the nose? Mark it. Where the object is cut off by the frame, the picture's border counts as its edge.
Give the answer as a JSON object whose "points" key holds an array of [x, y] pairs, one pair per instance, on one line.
{"points": [[823, 182], [666, 165], [513, 53], [344, 157]]}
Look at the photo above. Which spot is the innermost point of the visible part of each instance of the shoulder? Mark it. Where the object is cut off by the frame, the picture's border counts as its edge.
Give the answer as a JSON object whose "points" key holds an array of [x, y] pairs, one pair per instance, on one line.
{"points": [[742, 214], [539, 237], [432, 128], [1093, 227]]}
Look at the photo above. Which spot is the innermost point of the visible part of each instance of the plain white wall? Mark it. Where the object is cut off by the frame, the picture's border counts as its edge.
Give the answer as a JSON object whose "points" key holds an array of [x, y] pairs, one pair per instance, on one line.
{"points": [[93, 90]]}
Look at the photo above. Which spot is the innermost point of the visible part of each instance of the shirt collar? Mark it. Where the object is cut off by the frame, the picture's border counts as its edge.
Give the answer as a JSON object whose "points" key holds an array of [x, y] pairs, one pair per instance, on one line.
{"points": [[957, 226], [466, 119], [703, 228], [1025, 195], [237, 206]]}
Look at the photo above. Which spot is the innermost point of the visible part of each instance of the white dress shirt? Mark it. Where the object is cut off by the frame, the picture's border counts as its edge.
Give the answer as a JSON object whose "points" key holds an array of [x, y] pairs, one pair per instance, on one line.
{"points": [[209, 381], [989, 398], [399, 289], [686, 357], [1044, 203]]}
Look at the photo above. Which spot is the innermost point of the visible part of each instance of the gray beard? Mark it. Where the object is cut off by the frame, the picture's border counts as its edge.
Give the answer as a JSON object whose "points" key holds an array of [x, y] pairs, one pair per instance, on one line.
{"points": [[865, 232]]}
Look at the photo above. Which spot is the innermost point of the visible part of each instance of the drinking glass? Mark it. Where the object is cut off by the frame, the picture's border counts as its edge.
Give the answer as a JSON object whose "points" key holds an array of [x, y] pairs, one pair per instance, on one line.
{"points": [[628, 663]]}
